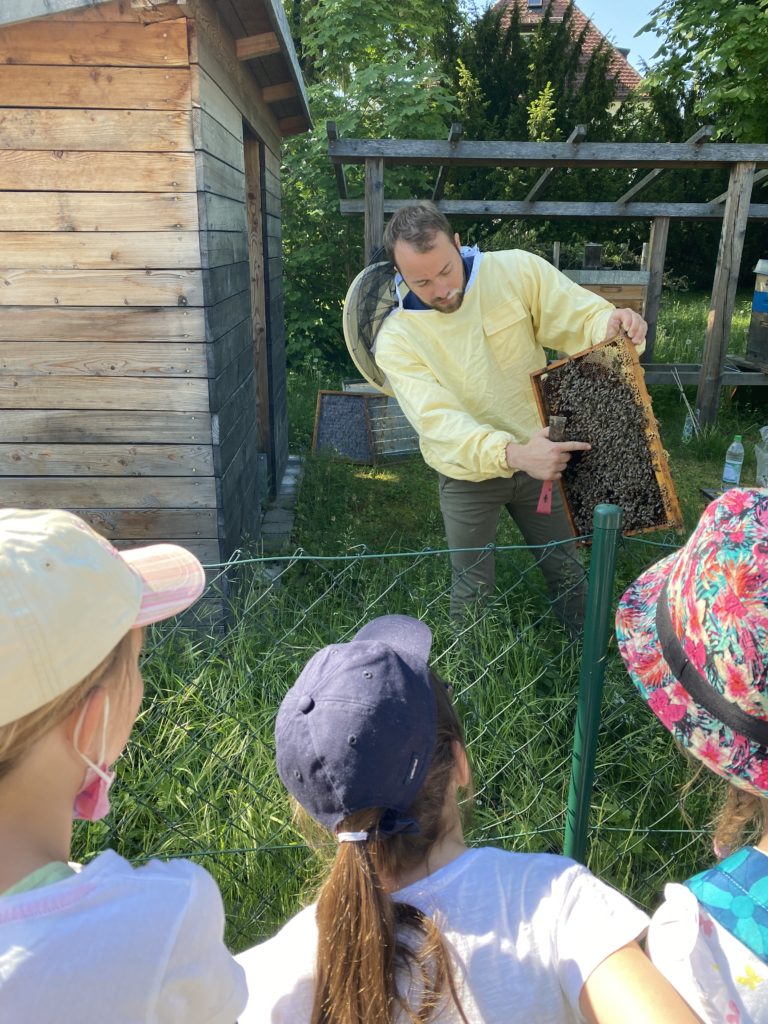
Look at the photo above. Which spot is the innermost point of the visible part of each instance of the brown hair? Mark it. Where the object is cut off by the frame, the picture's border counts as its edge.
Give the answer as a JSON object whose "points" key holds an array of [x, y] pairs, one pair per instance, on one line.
{"points": [[365, 938], [17, 737], [739, 809], [416, 225]]}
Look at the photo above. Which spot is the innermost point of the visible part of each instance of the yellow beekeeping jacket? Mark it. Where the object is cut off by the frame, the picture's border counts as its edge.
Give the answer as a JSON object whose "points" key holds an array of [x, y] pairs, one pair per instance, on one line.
{"points": [[462, 378]]}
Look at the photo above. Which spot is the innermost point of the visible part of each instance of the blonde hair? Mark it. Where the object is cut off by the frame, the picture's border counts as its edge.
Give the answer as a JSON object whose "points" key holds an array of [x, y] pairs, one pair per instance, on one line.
{"points": [[739, 810], [365, 938], [17, 737]]}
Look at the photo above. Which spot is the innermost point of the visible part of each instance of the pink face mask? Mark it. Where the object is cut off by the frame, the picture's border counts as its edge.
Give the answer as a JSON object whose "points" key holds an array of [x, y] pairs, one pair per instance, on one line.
{"points": [[92, 801]]}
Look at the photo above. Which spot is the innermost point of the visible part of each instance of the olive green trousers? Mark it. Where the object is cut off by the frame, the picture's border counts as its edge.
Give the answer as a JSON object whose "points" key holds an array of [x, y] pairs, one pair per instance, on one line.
{"points": [[471, 515]]}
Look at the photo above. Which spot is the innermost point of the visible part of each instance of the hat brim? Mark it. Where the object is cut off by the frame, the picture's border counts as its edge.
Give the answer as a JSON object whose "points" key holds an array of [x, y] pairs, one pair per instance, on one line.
{"points": [[724, 751], [402, 633], [172, 579]]}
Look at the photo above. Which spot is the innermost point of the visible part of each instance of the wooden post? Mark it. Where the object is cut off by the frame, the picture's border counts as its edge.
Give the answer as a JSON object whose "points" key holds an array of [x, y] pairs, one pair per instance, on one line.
{"points": [[724, 290], [657, 249], [374, 205], [556, 255]]}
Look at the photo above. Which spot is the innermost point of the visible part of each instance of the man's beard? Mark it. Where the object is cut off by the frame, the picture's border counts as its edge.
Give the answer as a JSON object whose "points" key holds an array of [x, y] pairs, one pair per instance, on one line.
{"points": [[452, 303]]}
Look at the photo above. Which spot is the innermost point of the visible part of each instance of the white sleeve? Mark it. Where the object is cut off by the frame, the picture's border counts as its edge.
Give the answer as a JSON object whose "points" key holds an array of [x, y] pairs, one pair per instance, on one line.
{"points": [[280, 974], [201, 983], [594, 921], [679, 945]]}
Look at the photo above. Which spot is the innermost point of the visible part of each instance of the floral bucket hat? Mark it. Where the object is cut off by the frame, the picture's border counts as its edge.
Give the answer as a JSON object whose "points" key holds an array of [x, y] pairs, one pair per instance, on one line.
{"points": [[693, 633]]}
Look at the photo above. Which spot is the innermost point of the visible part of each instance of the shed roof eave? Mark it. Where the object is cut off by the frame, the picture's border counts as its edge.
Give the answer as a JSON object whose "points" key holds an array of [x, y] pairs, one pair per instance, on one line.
{"points": [[279, 22]]}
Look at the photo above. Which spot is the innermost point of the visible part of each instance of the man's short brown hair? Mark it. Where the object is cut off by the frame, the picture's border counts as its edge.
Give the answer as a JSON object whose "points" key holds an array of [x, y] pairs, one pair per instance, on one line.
{"points": [[416, 224]]}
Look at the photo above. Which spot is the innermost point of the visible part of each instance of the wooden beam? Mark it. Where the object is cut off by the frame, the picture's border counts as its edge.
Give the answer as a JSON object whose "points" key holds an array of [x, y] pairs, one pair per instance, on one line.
{"points": [[759, 176], [578, 135], [341, 179], [281, 91], [293, 125], [262, 45], [724, 290], [658, 249], [552, 210], [696, 139], [454, 135], [548, 154], [374, 206]]}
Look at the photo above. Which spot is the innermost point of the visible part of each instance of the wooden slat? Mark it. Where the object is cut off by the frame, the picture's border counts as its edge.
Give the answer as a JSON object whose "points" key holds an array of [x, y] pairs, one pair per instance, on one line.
{"points": [[99, 427], [113, 131], [292, 125], [123, 45], [144, 525], [98, 211], [138, 492], [220, 178], [221, 247], [98, 324], [107, 287], [280, 91], [105, 87], [262, 45], [213, 138], [103, 393], [217, 213], [216, 103], [105, 460], [96, 172], [99, 250], [545, 154], [545, 208], [101, 359]]}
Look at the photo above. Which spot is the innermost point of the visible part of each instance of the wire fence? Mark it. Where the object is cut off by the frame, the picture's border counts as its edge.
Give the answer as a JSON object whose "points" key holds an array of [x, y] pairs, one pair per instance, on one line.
{"points": [[198, 779]]}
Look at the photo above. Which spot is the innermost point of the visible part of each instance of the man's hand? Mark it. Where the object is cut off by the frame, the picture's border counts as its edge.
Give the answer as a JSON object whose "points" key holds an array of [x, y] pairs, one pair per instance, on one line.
{"points": [[630, 322], [541, 458]]}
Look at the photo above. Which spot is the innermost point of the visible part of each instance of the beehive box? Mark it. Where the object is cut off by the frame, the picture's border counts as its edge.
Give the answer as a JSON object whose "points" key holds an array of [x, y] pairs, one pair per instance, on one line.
{"points": [[602, 394]]}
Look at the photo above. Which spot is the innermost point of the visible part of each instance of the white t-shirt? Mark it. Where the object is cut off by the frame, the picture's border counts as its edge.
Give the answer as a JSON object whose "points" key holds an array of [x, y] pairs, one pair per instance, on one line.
{"points": [[717, 975], [525, 930], [121, 945]]}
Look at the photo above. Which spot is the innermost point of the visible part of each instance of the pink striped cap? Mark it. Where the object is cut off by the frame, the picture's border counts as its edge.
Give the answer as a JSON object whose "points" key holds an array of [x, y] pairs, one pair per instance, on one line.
{"points": [[67, 597], [172, 579]]}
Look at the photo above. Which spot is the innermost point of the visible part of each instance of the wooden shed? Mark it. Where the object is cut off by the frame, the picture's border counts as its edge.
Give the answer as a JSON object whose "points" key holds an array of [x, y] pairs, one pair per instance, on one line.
{"points": [[142, 353]]}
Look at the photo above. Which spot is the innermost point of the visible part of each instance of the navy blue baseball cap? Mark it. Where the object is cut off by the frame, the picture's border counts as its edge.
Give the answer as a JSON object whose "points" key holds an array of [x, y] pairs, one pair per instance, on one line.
{"points": [[358, 727]]}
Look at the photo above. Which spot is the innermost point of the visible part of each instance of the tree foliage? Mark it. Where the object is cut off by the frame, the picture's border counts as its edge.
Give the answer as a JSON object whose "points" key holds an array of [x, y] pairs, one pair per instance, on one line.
{"points": [[719, 50], [376, 71]]}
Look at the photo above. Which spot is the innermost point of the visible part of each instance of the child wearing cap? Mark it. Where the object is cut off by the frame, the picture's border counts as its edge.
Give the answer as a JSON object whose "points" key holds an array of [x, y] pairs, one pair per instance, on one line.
{"points": [[693, 633], [105, 942], [410, 925]]}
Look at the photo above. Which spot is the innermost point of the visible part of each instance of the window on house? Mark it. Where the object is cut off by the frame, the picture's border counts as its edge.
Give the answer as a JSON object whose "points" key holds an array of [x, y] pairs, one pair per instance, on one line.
{"points": [[535, 3]]}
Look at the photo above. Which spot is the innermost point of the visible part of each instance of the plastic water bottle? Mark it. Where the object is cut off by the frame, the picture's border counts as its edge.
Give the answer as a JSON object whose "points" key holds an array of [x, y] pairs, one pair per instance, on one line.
{"points": [[734, 458]]}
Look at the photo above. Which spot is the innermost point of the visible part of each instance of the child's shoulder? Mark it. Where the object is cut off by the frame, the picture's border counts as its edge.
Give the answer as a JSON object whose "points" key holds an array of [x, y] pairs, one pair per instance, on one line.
{"points": [[171, 882]]}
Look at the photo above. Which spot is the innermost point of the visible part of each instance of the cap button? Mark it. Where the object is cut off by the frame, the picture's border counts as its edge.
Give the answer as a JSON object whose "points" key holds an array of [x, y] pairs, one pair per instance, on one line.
{"points": [[306, 704]]}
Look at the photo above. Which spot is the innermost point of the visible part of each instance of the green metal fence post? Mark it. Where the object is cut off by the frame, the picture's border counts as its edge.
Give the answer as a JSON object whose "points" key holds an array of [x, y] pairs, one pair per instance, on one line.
{"points": [[606, 522]]}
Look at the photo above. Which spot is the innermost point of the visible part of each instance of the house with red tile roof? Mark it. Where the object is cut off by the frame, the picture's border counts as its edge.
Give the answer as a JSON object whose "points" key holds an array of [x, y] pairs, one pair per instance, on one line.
{"points": [[533, 11]]}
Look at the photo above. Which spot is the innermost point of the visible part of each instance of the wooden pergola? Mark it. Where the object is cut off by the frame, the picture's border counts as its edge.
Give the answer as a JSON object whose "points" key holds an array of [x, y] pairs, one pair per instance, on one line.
{"points": [[746, 164]]}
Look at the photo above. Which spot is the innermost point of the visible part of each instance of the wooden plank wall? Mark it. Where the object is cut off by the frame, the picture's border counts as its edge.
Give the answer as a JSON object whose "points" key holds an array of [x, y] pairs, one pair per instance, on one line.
{"points": [[225, 98], [103, 363]]}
